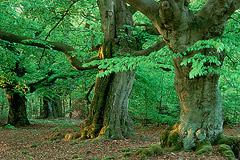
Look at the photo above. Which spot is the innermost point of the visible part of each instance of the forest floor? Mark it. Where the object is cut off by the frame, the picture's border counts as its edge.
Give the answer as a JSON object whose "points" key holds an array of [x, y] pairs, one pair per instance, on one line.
{"points": [[27, 143]]}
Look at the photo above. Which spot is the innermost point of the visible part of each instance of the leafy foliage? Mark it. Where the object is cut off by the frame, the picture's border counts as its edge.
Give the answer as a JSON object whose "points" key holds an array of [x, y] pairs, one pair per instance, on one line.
{"points": [[153, 99]]}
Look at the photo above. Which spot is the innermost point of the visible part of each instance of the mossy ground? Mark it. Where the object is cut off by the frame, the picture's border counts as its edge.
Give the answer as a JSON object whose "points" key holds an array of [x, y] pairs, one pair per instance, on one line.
{"points": [[204, 147], [17, 144]]}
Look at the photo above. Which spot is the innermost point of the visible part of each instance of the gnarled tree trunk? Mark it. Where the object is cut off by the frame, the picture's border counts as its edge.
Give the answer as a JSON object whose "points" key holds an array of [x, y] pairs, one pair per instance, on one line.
{"points": [[201, 109], [108, 116], [17, 109]]}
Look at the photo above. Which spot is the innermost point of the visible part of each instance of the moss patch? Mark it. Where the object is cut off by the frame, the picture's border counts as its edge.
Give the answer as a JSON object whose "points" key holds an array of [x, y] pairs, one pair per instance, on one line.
{"points": [[170, 138], [229, 140], [232, 141], [76, 156], [146, 151], [204, 147], [226, 151], [34, 145], [25, 152], [109, 157]]}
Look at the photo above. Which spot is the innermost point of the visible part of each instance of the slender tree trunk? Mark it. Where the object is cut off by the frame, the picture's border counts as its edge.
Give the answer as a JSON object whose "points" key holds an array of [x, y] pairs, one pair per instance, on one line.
{"points": [[44, 108], [17, 109], [52, 108], [59, 106], [63, 107]]}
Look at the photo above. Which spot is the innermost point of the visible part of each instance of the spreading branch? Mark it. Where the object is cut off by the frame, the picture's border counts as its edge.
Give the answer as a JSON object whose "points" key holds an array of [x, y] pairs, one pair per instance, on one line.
{"points": [[66, 49], [155, 47], [49, 33], [48, 81], [147, 7], [217, 11]]}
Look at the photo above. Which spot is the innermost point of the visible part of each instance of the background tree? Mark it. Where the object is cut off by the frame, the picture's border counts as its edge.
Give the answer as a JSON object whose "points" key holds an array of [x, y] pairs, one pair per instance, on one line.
{"points": [[21, 76]]}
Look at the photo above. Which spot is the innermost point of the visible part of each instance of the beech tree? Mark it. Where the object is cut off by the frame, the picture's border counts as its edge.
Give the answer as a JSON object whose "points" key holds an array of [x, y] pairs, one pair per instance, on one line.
{"points": [[201, 109], [108, 116], [196, 82]]}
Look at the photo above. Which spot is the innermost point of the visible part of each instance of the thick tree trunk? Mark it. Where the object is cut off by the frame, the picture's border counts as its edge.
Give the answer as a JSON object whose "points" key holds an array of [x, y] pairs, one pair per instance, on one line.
{"points": [[108, 117], [51, 108], [17, 109], [201, 109]]}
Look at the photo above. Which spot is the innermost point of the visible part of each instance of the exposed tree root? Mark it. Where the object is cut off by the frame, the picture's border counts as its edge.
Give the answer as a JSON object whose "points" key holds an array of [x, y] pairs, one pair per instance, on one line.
{"points": [[228, 146], [146, 151], [170, 138], [54, 136]]}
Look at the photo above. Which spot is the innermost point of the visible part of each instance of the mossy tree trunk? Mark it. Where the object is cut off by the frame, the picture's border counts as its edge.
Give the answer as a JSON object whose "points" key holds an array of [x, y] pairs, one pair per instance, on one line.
{"points": [[17, 101], [17, 109], [201, 109], [108, 116]]}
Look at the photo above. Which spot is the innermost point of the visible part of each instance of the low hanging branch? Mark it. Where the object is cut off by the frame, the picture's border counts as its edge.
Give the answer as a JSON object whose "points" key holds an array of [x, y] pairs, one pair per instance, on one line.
{"points": [[48, 81], [13, 38], [66, 49]]}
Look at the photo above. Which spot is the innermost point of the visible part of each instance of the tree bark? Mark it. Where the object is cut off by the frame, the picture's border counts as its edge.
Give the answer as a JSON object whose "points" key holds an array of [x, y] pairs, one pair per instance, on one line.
{"points": [[108, 116], [17, 109], [201, 109]]}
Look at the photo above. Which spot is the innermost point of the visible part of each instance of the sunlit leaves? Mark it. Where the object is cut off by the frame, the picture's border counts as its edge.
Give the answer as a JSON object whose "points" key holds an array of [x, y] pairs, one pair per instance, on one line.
{"points": [[196, 5], [11, 81], [203, 64]]}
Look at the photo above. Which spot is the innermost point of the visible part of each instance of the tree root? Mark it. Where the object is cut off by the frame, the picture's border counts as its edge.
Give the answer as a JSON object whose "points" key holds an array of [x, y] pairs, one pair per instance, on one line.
{"points": [[204, 147], [54, 136], [146, 151], [170, 139], [229, 146]]}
